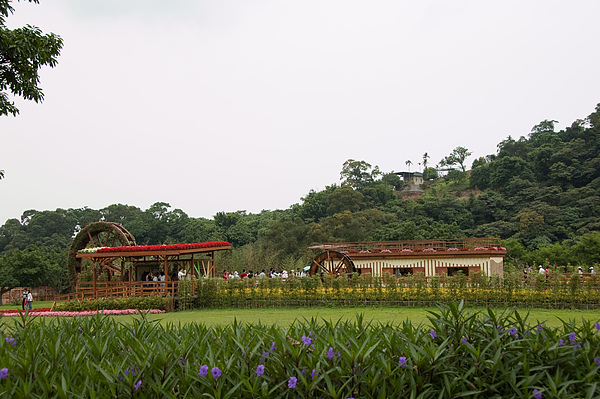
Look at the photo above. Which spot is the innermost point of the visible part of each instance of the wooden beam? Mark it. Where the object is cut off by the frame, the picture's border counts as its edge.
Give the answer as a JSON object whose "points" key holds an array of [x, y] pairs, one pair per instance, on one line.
{"points": [[91, 239]]}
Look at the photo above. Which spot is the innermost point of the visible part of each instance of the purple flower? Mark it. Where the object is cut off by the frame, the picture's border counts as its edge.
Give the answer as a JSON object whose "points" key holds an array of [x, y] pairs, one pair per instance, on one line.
{"points": [[203, 370], [539, 328], [433, 334], [597, 360], [597, 326], [3, 373], [561, 342], [463, 340], [264, 356], [136, 386], [273, 347], [292, 382], [339, 354], [260, 370], [303, 372], [215, 372], [512, 331], [10, 341], [182, 361], [306, 340], [313, 374], [402, 361], [572, 337], [537, 394], [330, 354]]}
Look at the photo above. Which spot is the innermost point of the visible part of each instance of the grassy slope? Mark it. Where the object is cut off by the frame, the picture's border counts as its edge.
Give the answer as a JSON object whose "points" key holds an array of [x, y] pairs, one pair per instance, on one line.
{"points": [[285, 316]]}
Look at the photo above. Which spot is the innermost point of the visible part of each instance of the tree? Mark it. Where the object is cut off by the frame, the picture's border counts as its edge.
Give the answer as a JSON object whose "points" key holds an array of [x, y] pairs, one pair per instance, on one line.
{"points": [[430, 173], [314, 205], [393, 180], [345, 199], [408, 163], [425, 160], [23, 52], [22, 269], [457, 157], [358, 174]]}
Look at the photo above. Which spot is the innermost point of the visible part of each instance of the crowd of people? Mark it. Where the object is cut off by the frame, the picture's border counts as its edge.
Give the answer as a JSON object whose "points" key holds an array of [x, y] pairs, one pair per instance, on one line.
{"points": [[545, 271], [284, 274]]}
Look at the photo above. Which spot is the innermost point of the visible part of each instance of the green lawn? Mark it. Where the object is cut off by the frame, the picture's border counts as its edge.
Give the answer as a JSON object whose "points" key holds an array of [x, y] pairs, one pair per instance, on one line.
{"points": [[285, 316], [395, 315]]}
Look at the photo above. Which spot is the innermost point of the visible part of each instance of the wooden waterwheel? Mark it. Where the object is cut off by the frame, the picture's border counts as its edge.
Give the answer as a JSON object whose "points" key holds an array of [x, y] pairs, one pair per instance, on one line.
{"points": [[97, 234], [334, 263]]}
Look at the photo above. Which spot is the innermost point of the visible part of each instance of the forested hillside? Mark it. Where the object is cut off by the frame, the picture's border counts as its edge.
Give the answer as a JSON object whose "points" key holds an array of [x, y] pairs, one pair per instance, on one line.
{"points": [[539, 193]]}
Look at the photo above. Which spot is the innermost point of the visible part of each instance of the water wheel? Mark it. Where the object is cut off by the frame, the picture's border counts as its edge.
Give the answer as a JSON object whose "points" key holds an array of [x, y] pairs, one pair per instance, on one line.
{"points": [[97, 234], [334, 263]]}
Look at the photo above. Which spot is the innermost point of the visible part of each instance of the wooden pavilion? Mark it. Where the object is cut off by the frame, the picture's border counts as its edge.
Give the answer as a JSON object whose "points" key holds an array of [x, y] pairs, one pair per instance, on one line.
{"points": [[134, 262], [429, 257]]}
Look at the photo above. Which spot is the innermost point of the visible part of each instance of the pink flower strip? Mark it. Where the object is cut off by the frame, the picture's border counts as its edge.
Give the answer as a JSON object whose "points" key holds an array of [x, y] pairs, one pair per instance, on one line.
{"points": [[63, 313]]}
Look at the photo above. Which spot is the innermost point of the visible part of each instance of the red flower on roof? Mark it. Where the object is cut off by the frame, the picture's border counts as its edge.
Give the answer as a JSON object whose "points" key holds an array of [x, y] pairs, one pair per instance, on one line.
{"points": [[174, 247]]}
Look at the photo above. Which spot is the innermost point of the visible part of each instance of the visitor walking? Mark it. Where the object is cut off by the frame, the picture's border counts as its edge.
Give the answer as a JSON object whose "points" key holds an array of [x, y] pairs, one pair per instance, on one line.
{"points": [[29, 300]]}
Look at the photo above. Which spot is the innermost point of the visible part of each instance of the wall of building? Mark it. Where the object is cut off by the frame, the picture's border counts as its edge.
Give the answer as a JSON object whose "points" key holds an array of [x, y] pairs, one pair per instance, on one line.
{"points": [[431, 266]]}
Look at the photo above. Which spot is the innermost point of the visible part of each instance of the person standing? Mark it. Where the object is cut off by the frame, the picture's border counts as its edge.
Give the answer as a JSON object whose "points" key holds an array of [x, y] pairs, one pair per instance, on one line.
{"points": [[29, 300], [24, 301], [592, 270]]}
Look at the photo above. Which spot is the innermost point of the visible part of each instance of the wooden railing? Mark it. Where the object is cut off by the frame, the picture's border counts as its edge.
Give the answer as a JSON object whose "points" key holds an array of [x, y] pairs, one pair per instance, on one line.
{"points": [[119, 289], [468, 243]]}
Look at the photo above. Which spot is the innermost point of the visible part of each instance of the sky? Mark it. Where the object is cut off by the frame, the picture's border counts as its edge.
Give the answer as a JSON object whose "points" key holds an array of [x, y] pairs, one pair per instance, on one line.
{"points": [[248, 105]]}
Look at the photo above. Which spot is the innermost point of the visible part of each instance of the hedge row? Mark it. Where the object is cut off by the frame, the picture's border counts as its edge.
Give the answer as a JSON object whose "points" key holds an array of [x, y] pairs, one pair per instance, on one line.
{"points": [[558, 292]]}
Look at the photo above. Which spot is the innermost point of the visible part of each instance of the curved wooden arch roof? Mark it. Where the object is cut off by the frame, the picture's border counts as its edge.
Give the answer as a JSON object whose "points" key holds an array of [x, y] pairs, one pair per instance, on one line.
{"points": [[155, 250]]}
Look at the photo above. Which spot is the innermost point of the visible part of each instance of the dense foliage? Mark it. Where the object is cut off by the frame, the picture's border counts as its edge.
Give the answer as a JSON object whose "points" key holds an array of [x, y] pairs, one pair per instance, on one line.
{"points": [[538, 193], [459, 354], [23, 52]]}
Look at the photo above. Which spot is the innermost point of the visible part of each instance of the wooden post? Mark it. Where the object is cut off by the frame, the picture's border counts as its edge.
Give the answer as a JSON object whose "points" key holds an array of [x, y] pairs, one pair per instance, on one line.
{"points": [[95, 292], [166, 268]]}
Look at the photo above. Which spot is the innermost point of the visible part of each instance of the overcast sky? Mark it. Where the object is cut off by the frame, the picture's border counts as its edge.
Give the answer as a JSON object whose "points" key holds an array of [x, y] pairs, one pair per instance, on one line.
{"points": [[247, 105]]}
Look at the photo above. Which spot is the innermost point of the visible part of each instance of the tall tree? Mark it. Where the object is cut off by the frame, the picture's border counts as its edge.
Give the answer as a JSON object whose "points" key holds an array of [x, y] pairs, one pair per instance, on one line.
{"points": [[23, 52], [457, 157], [358, 174]]}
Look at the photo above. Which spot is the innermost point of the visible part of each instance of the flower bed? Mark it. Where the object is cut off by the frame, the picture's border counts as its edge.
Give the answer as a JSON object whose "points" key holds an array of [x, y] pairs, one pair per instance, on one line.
{"points": [[8, 312], [458, 354], [175, 247], [478, 289], [59, 313]]}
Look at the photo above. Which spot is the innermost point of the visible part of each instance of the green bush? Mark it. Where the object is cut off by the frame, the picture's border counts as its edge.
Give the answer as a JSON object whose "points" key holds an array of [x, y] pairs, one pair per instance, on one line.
{"points": [[459, 354], [145, 302]]}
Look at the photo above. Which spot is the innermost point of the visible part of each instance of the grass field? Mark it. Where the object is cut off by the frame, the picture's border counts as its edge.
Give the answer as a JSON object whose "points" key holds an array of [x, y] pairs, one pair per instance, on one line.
{"points": [[285, 316]]}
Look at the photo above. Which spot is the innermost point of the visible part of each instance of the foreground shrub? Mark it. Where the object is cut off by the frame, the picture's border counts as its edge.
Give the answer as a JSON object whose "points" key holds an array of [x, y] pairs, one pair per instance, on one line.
{"points": [[146, 302], [459, 354]]}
